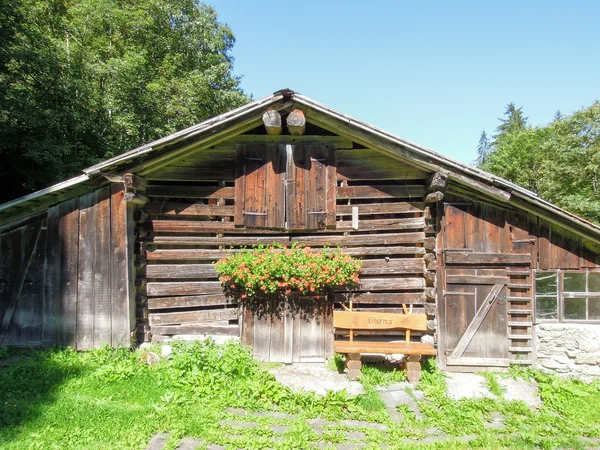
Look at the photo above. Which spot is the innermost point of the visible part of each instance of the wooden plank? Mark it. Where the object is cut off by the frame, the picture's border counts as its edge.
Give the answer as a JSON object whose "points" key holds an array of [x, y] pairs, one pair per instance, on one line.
{"points": [[191, 317], [480, 362], [381, 191], [102, 270], [179, 271], [392, 266], [189, 209], [475, 279], [476, 322], [191, 226], [378, 321], [331, 186], [407, 223], [339, 141], [412, 348], [119, 268], [157, 289], [383, 298], [386, 284], [247, 325], [29, 251], [188, 254], [275, 187], [382, 208], [196, 330], [255, 193], [85, 279], [352, 240], [189, 301], [240, 186], [180, 191], [277, 350], [298, 161], [477, 258], [367, 164], [213, 254]]}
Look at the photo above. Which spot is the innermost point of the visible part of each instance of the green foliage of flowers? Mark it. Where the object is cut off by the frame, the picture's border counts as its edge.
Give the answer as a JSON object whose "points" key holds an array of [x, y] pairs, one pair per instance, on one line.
{"points": [[268, 269]]}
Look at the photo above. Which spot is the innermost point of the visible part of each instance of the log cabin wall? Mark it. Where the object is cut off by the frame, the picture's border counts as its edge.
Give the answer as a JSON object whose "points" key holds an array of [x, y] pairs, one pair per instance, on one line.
{"points": [[64, 275], [191, 223]]}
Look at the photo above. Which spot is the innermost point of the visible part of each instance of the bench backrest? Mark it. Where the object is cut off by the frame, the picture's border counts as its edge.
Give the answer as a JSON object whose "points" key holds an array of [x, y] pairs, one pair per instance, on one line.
{"points": [[365, 320]]}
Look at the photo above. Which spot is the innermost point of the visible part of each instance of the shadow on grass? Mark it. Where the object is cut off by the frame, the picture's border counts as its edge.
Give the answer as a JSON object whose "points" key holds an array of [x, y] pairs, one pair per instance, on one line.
{"points": [[29, 381]]}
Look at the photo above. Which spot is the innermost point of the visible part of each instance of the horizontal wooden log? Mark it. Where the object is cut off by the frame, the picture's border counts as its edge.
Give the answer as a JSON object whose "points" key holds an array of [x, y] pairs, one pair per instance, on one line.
{"points": [[381, 191], [433, 197], [382, 298], [409, 223], [296, 122], [437, 182], [480, 362], [475, 279], [372, 320], [272, 121], [474, 258], [392, 266], [189, 209], [136, 199], [368, 164], [354, 240], [190, 191], [180, 271], [190, 226], [158, 289], [189, 301], [189, 317], [196, 330], [133, 182], [413, 348], [386, 284], [381, 208], [230, 144], [215, 254]]}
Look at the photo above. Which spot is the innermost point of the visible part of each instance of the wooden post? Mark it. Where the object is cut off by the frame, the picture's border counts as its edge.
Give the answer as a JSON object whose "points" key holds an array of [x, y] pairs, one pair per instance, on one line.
{"points": [[296, 122], [272, 121]]}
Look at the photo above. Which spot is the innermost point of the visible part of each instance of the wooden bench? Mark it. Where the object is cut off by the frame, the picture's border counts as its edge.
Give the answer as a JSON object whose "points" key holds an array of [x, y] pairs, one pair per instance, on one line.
{"points": [[365, 320]]}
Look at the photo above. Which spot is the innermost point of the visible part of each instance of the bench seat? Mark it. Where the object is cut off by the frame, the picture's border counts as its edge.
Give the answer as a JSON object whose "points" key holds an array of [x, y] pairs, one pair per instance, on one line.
{"points": [[412, 348]]}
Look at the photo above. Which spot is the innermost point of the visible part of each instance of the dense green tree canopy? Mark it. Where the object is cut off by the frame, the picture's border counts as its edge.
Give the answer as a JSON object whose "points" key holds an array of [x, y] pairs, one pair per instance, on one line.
{"points": [[83, 80], [559, 161]]}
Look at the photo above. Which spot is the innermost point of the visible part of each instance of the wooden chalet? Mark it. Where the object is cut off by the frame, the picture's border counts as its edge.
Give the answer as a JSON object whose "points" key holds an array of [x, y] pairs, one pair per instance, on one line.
{"points": [[124, 252]]}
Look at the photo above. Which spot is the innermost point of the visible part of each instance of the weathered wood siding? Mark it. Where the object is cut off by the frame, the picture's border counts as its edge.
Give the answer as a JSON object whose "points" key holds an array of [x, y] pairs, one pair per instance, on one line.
{"points": [[64, 276], [499, 246], [191, 224]]}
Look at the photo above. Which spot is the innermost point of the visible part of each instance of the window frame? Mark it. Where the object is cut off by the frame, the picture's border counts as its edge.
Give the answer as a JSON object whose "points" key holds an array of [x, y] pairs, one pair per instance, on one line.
{"points": [[561, 295]]}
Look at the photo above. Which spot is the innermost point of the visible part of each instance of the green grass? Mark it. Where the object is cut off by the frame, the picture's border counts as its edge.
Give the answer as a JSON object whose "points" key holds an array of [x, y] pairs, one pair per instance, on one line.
{"points": [[113, 399], [493, 383]]}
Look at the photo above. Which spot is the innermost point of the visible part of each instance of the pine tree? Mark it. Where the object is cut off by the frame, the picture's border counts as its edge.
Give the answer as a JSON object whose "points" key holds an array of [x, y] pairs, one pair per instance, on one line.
{"points": [[483, 149], [515, 122]]}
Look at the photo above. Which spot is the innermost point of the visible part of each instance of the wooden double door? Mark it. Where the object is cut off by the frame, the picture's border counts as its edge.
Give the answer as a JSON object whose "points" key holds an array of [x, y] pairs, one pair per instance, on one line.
{"points": [[485, 279]]}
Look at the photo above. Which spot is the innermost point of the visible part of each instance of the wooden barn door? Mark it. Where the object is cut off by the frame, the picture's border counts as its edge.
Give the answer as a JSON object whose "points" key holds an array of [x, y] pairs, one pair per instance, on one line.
{"points": [[477, 282]]}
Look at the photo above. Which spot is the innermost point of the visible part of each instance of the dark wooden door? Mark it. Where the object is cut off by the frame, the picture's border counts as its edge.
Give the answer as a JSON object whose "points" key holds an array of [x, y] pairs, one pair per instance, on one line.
{"points": [[481, 272]]}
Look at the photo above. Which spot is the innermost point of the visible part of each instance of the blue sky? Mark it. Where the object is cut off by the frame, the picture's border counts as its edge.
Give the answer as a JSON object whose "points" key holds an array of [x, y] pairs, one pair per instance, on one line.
{"points": [[435, 73]]}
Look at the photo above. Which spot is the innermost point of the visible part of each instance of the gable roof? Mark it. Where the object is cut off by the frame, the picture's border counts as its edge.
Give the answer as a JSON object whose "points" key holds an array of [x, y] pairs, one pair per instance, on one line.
{"points": [[247, 117]]}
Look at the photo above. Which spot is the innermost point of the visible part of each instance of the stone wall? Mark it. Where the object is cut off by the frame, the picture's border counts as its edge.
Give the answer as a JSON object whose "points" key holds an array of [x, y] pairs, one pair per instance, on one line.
{"points": [[568, 349]]}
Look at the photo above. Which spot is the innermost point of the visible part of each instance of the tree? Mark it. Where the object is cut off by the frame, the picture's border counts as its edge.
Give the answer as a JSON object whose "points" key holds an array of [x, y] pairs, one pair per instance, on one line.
{"points": [[483, 149], [83, 81], [560, 161], [515, 122]]}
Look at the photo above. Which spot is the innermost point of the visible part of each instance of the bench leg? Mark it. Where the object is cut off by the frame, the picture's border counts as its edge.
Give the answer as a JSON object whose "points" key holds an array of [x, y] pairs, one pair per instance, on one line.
{"points": [[413, 368], [353, 364]]}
